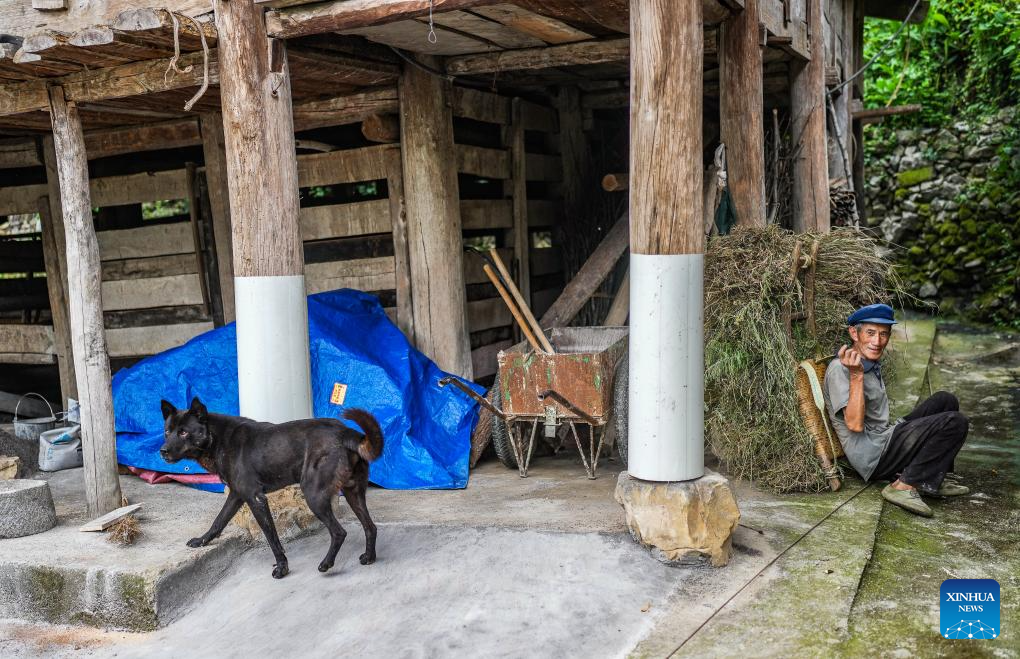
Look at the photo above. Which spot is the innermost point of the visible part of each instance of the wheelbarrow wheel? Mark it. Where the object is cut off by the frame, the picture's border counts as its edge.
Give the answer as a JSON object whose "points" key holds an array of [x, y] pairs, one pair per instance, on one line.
{"points": [[501, 439], [620, 388]]}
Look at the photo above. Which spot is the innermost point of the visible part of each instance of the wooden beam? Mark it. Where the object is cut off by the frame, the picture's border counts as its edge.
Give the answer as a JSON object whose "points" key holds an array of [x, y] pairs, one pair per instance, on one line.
{"points": [[27, 339], [433, 220], [482, 161], [480, 106], [807, 108], [91, 360], [536, 25], [178, 133], [19, 152], [173, 134], [875, 115], [214, 149], [339, 16], [345, 109], [741, 103], [587, 52], [603, 15], [21, 19], [134, 79]]}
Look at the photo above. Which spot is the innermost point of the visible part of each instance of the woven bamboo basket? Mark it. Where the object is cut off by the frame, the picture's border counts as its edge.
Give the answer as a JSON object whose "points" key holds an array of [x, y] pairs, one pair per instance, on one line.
{"points": [[811, 403]]}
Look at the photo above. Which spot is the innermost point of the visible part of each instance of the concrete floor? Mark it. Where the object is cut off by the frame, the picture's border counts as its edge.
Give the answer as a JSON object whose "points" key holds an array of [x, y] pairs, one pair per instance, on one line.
{"points": [[544, 567]]}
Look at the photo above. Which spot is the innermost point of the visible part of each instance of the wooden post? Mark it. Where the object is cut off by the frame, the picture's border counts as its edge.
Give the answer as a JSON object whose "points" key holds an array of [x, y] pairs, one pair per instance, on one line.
{"points": [[211, 126], [398, 222], [268, 260], [857, 93], [666, 422], [51, 216], [519, 192], [573, 153], [741, 108], [435, 240], [84, 279], [807, 106]]}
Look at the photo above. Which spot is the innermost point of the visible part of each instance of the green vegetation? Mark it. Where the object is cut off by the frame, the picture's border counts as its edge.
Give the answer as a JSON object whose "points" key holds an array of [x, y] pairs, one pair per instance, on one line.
{"points": [[964, 59], [154, 210], [962, 65]]}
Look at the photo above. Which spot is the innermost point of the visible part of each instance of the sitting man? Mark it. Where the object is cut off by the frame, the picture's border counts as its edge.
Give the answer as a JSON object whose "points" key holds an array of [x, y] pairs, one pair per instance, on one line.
{"points": [[916, 452]]}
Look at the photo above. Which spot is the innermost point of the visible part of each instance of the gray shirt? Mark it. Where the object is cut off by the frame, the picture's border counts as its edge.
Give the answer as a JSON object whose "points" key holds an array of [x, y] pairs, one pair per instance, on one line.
{"points": [[863, 449]]}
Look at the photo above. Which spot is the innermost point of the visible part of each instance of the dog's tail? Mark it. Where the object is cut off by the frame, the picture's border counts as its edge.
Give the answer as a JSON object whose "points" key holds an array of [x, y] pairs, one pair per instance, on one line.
{"points": [[370, 447]]}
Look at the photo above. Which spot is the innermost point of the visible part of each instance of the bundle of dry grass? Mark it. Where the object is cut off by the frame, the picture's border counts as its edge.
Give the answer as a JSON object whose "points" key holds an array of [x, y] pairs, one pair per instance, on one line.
{"points": [[124, 532], [752, 421]]}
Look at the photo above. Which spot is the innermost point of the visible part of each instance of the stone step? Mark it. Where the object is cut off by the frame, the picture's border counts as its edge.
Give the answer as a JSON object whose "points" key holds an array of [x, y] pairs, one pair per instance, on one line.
{"points": [[65, 576]]}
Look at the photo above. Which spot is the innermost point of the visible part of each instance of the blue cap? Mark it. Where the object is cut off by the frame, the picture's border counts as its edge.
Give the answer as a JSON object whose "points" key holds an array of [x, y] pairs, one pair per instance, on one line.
{"points": [[881, 314]]}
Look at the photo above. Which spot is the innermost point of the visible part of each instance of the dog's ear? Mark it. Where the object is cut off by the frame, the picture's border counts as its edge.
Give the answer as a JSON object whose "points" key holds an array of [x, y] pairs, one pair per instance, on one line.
{"points": [[168, 409], [199, 410]]}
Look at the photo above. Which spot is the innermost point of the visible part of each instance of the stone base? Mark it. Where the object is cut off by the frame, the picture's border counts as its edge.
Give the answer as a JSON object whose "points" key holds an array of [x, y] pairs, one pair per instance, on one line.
{"points": [[681, 522], [26, 508], [290, 513]]}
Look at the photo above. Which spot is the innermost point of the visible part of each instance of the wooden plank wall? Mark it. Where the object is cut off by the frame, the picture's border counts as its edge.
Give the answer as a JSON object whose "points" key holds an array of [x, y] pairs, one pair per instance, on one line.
{"points": [[152, 293], [477, 115]]}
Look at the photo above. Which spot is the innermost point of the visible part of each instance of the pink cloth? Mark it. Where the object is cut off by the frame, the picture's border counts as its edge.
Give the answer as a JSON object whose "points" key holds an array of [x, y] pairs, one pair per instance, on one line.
{"points": [[158, 477]]}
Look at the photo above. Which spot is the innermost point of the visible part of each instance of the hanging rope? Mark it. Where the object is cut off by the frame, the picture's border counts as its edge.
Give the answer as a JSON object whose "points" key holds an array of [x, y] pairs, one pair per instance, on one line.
{"points": [[205, 66], [172, 66], [432, 26]]}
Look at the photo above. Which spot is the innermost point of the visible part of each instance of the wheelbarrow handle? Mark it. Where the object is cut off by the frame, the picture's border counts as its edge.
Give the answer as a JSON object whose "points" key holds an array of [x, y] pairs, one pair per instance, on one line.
{"points": [[556, 396], [470, 392]]}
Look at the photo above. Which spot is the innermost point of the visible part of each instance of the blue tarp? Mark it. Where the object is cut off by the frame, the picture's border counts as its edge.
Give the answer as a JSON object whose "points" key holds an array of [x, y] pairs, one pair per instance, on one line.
{"points": [[427, 429]]}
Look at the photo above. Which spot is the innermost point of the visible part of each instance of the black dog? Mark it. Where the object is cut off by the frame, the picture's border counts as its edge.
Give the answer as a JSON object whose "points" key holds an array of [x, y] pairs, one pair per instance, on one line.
{"points": [[255, 458]]}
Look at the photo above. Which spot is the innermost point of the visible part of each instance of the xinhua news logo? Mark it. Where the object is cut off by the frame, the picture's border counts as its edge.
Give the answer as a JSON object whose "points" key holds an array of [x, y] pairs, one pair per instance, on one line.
{"points": [[969, 609]]}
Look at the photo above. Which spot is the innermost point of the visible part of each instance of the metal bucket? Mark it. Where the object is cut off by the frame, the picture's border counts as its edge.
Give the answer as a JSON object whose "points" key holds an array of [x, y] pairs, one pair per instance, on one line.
{"points": [[30, 429]]}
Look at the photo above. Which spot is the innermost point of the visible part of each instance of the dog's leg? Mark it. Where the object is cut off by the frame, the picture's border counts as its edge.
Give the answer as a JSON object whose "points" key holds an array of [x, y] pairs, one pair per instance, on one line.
{"points": [[356, 500], [230, 508], [259, 506], [320, 503]]}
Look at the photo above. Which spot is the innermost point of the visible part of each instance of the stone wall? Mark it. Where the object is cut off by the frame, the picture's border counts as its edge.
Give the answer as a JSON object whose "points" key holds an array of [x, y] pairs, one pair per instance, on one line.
{"points": [[947, 201]]}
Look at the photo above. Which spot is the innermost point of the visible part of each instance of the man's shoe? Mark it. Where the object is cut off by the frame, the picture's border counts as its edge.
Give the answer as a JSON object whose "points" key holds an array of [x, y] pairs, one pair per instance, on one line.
{"points": [[909, 500], [948, 489]]}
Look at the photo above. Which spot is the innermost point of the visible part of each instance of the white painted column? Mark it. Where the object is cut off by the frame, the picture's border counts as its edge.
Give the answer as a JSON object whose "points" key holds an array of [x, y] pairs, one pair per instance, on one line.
{"points": [[666, 426], [273, 378]]}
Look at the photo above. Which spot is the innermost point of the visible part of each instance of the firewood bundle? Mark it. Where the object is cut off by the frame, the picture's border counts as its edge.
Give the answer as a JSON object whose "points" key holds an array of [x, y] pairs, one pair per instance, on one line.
{"points": [[842, 207]]}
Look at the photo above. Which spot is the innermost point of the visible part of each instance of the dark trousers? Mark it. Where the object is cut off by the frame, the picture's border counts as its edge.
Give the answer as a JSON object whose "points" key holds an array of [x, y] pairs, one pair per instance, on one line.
{"points": [[924, 445]]}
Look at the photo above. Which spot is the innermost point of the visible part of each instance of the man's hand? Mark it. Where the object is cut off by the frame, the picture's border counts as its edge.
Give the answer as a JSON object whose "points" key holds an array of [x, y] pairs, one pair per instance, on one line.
{"points": [[851, 358], [853, 414]]}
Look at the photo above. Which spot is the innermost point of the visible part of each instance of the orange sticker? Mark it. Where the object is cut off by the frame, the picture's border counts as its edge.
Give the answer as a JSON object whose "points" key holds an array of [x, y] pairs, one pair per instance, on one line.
{"points": [[339, 393]]}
